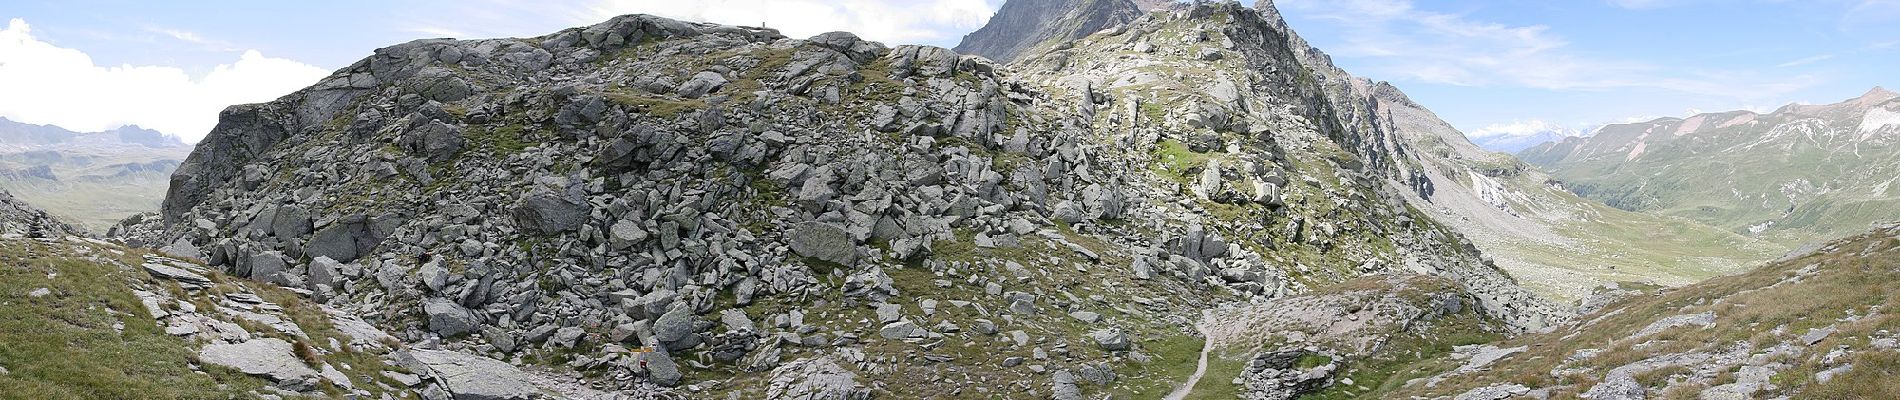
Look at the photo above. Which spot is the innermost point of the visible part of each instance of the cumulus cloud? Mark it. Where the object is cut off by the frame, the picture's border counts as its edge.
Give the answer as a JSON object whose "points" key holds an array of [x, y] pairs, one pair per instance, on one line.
{"points": [[892, 22], [47, 84], [1534, 127], [1407, 43]]}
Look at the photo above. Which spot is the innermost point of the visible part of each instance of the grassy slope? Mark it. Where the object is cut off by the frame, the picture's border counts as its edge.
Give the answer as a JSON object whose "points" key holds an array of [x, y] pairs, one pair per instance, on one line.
{"points": [[1605, 244], [1709, 177], [64, 346], [1858, 277]]}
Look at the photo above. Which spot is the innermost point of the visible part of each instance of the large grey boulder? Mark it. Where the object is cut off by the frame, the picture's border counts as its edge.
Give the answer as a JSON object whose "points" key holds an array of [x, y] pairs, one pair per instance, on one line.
{"points": [[675, 329], [269, 266], [859, 50], [447, 318], [661, 369], [471, 377], [350, 237], [434, 141], [1062, 386], [823, 241], [270, 358], [549, 214], [1110, 339], [701, 84], [324, 271], [290, 222]]}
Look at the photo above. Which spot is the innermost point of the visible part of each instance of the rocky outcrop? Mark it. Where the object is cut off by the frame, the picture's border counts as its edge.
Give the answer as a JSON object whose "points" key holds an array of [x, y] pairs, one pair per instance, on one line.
{"points": [[24, 220], [1021, 26]]}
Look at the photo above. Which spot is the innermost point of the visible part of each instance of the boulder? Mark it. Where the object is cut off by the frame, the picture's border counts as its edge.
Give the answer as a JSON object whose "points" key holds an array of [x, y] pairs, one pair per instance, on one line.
{"points": [[823, 241], [324, 271], [701, 84], [1110, 339], [434, 141], [549, 214], [447, 318], [660, 368], [675, 329]]}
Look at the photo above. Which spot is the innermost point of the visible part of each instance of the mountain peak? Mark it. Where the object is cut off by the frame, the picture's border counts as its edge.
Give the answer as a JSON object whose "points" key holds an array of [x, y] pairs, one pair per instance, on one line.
{"points": [[1021, 24], [1879, 93]]}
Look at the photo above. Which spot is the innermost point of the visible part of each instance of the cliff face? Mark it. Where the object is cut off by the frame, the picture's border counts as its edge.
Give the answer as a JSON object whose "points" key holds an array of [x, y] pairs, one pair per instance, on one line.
{"points": [[1021, 25]]}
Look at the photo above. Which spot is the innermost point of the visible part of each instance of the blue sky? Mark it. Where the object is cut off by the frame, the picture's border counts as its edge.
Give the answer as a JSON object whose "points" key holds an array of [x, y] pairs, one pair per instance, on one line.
{"points": [[1486, 66]]}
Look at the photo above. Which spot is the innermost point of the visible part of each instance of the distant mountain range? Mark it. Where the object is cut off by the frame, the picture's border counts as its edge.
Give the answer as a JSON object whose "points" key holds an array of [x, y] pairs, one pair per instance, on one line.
{"points": [[92, 179], [1515, 137], [18, 135], [1800, 173]]}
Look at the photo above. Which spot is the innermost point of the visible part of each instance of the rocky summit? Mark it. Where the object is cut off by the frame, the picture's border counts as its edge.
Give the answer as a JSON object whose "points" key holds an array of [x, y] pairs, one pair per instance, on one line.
{"points": [[1086, 199]]}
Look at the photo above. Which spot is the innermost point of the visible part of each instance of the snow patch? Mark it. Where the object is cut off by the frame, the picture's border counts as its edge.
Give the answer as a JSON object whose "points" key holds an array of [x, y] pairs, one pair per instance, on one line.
{"points": [[1876, 119], [1759, 228]]}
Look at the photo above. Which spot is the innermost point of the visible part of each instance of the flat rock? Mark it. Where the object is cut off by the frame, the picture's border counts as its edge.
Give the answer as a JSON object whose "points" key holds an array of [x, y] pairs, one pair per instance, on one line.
{"points": [[471, 377], [177, 274], [270, 358]]}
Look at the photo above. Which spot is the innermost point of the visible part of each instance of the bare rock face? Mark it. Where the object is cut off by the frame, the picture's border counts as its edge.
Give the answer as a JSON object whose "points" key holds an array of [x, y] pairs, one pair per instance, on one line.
{"points": [[1022, 24]]}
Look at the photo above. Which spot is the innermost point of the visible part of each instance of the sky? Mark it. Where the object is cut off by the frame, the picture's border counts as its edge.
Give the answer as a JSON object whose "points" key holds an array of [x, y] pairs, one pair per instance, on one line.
{"points": [[1490, 67]]}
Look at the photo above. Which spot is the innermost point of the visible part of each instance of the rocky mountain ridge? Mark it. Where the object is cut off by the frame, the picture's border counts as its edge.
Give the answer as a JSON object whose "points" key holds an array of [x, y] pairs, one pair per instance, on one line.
{"points": [[813, 216], [1021, 25]]}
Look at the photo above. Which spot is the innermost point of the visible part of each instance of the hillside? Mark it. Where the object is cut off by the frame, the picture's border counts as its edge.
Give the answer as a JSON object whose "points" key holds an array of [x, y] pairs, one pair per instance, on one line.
{"points": [[1811, 325], [1548, 239], [724, 211], [1799, 174]]}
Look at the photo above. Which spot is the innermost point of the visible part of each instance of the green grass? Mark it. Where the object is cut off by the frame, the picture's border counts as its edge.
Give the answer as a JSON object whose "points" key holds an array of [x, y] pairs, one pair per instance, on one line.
{"points": [[1175, 358], [1218, 383], [1174, 158], [1749, 308], [63, 346], [504, 140]]}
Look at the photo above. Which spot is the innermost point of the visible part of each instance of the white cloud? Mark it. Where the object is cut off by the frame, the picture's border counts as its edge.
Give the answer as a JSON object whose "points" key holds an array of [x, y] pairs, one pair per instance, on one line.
{"points": [[47, 84], [1534, 127], [194, 38], [892, 22], [1807, 60], [1403, 42]]}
